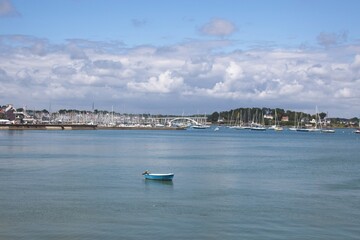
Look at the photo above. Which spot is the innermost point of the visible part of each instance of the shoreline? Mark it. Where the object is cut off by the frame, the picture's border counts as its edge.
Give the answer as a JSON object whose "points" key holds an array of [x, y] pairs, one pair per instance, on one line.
{"points": [[75, 127], [93, 127]]}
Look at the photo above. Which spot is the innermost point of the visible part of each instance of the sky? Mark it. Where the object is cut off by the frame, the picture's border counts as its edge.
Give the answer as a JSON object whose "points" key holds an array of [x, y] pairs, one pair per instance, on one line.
{"points": [[181, 56]]}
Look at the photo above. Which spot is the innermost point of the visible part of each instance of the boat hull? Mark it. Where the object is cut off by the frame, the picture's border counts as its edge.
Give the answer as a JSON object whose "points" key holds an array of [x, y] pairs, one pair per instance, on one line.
{"points": [[159, 177], [200, 126], [328, 131], [258, 129]]}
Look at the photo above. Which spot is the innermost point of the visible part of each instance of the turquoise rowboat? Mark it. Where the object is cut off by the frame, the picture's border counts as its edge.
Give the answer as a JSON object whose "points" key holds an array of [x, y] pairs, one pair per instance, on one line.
{"points": [[158, 176]]}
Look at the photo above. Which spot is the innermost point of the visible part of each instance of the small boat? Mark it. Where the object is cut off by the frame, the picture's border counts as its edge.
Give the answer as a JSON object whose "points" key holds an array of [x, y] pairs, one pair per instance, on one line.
{"points": [[328, 130], [357, 131], [308, 129], [158, 176], [258, 128], [303, 130], [278, 128], [200, 126]]}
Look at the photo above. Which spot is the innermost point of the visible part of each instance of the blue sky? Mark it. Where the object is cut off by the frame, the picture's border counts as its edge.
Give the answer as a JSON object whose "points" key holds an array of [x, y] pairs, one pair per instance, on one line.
{"points": [[181, 56]]}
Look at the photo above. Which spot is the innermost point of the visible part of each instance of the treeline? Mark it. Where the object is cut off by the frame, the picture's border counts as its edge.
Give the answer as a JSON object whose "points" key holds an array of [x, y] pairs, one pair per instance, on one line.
{"points": [[248, 115], [96, 111]]}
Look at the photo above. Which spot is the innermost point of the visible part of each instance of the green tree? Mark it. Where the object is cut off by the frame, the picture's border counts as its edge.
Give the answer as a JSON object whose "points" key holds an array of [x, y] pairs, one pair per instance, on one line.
{"points": [[213, 117], [322, 115]]}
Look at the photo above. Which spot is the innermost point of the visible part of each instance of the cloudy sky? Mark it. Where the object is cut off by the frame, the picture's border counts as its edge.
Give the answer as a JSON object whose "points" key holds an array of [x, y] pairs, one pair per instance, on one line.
{"points": [[181, 57]]}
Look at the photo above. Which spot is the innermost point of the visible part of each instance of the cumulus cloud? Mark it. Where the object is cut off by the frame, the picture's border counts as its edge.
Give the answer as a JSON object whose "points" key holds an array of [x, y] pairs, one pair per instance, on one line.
{"points": [[107, 64], [232, 81], [189, 73], [344, 93], [196, 67], [166, 82], [63, 70], [75, 51], [356, 63], [288, 89], [7, 9], [218, 27]]}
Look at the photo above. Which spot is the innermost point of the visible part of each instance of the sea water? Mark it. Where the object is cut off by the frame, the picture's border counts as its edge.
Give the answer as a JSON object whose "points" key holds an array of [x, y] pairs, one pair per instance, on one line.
{"points": [[228, 184]]}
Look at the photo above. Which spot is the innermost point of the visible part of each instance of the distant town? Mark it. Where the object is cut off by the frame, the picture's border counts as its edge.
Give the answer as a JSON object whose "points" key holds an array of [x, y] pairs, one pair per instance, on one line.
{"points": [[10, 115]]}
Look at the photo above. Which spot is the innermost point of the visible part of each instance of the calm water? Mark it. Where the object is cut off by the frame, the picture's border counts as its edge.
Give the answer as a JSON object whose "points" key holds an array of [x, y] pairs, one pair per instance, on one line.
{"points": [[228, 184]]}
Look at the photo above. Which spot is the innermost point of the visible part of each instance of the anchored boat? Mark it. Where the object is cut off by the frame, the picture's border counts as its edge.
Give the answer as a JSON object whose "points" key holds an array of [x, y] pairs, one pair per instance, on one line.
{"points": [[158, 176]]}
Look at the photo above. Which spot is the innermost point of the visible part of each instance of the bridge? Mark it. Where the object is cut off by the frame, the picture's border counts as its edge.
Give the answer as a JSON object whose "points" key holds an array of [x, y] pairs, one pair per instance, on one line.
{"points": [[181, 121]]}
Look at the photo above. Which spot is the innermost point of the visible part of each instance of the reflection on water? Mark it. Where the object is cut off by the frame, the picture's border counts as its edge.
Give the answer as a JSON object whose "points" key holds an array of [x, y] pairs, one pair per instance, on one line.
{"points": [[158, 184], [150, 181]]}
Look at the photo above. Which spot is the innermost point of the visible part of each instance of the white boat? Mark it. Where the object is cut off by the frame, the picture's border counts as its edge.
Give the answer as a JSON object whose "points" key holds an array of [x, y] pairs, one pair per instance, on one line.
{"points": [[308, 129], [200, 126], [295, 127], [4, 121], [272, 127], [357, 130], [325, 128], [258, 128], [276, 127], [328, 130], [241, 127]]}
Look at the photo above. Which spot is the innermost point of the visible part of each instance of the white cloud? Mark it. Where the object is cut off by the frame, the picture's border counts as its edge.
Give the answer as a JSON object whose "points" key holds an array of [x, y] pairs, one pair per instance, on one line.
{"points": [[344, 93], [190, 74], [75, 51], [218, 27], [231, 82], [356, 63], [166, 82], [64, 70], [290, 89], [234, 71]]}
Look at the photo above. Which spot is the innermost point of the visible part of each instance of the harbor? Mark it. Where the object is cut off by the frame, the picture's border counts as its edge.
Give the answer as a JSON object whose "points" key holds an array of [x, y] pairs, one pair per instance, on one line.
{"points": [[22, 119], [255, 119]]}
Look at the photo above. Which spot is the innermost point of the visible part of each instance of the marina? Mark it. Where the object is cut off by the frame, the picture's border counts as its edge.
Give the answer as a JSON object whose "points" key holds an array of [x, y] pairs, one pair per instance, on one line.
{"points": [[255, 119]]}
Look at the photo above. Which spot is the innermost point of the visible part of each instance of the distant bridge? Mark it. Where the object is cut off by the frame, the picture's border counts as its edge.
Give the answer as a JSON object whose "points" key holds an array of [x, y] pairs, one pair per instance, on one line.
{"points": [[182, 121]]}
